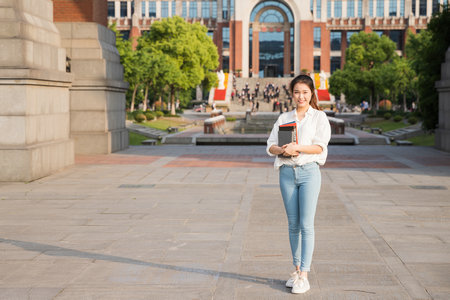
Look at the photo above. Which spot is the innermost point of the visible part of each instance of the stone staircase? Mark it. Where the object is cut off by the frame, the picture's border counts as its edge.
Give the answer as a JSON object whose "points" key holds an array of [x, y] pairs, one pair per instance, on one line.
{"points": [[236, 105], [405, 133]]}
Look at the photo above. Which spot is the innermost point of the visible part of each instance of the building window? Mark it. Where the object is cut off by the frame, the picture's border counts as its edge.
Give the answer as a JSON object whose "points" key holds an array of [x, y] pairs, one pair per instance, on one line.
{"points": [[152, 9], [435, 6], [379, 32], [335, 39], [402, 8], [210, 34], [413, 7], [111, 9], [349, 35], [174, 8], [225, 37], [337, 8], [317, 64], [184, 9], [335, 63], [316, 37], [360, 4], [164, 9], [423, 7], [397, 37], [231, 8], [226, 63], [132, 7], [214, 9], [350, 8], [192, 9], [143, 8], [380, 8], [311, 6], [319, 9], [123, 9], [224, 9], [205, 9], [371, 8], [392, 8], [329, 9], [125, 34]]}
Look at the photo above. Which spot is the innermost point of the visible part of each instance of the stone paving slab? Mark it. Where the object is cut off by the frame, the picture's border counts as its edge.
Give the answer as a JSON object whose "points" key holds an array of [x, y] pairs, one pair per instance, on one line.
{"points": [[187, 222]]}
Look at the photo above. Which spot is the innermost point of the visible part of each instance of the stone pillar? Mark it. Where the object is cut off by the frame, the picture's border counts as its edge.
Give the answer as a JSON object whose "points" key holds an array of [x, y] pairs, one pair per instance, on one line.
{"points": [[255, 54], [442, 138], [307, 45], [287, 54], [97, 96], [34, 93]]}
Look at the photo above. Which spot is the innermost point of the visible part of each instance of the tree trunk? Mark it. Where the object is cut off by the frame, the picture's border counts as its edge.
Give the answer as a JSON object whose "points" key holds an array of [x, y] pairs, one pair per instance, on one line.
{"points": [[172, 103], [404, 102], [377, 106], [145, 97], [133, 97]]}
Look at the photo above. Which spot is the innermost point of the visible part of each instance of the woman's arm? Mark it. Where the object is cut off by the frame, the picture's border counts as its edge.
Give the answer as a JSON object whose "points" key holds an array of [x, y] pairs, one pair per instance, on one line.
{"points": [[294, 149], [276, 150]]}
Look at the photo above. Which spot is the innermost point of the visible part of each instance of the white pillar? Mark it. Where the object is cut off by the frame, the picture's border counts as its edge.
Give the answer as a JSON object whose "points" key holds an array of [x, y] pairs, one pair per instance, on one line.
{"points": [[344, 8], [429, 8], [219, 10], [332, 8], [158, 9], [398, 8], [417, 7], [210, 9], [386, 8], [324, 11], [199, 9], [117, 9], [170, 9], [187, 9], [128, 9]]}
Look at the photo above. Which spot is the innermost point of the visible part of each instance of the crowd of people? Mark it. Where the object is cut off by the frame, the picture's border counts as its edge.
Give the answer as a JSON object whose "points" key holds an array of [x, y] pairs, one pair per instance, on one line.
{"points": [[269, 94]]}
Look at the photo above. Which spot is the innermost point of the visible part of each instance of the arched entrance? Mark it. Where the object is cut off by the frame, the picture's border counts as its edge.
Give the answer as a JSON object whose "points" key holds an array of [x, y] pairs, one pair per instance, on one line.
{"points": [[271, 35]]}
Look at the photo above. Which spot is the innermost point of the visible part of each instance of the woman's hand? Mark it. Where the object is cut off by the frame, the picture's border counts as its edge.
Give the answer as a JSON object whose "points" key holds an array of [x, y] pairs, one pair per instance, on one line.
{"points": [[290, 149]]}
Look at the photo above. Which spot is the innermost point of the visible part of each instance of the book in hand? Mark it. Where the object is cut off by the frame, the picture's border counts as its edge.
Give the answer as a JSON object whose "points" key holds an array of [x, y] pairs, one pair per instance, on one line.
{"points": [[287, 133]]}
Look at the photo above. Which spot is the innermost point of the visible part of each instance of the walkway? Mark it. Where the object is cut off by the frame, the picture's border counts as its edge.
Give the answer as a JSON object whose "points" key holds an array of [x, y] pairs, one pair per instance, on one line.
{"points": [[191, 222]]}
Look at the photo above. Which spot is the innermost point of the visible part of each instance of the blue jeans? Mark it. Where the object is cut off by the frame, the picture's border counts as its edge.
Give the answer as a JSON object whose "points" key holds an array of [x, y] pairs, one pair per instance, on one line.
{"points": [[300, 187]]}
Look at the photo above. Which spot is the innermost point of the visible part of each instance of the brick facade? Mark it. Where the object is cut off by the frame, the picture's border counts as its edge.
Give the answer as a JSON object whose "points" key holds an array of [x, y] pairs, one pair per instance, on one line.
{"points": [[80, 11]]}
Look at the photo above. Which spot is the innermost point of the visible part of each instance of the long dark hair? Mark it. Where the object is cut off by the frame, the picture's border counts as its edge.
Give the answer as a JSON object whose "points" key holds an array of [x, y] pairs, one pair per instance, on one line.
{"points": [[303, 78]]}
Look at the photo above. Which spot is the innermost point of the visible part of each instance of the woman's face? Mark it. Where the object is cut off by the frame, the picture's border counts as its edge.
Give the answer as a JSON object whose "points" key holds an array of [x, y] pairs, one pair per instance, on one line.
{"points": [[302, 95]]}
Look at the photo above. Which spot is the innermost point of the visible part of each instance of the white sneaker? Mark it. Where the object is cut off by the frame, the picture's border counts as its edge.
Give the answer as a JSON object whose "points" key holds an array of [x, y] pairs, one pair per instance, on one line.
{"points": [[300, 286], [294, 277]]}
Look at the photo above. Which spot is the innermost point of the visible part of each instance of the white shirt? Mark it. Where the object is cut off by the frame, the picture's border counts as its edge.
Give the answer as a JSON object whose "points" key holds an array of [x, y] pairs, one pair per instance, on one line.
{"points": [[313, 129]]}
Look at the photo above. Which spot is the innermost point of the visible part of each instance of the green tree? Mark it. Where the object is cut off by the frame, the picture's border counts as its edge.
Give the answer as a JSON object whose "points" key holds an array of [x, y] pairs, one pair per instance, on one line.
{"points": [[190, 54], [364, 57], [426, 51]]}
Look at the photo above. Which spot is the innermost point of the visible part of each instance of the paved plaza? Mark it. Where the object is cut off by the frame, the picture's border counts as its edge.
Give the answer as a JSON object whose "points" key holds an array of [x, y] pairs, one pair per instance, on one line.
{"points": [[207, 222]]}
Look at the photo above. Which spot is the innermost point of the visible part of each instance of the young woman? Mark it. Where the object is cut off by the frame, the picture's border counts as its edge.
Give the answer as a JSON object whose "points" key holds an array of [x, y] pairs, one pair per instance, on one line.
{"points": [[299, 173]]}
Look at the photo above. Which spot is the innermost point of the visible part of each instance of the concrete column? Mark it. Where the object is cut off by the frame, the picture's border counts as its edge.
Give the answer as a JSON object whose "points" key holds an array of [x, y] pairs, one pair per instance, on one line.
{"points": [[97, 95], [219, 10], [210, 9], [128, 9], [429, 8], [187, 9], [332, 8], [117, 9], [408, 8], [398, 8], [442, 138], [199, 9], [344, 9], [255, 54], [34, 93], [158, 9], [170, 9], [314, 9], [386, 9], [287, 54], [417, 7]]}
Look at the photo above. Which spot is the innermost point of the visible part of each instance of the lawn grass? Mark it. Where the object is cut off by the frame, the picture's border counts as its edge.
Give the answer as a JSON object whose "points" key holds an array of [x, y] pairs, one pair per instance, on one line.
{"points": [[423, 140], [136, 139], [164, 123], [385, 125]]}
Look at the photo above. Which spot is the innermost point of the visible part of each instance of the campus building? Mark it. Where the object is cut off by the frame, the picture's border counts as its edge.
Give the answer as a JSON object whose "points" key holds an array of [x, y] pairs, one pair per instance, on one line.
{"points": [[280, 38]]}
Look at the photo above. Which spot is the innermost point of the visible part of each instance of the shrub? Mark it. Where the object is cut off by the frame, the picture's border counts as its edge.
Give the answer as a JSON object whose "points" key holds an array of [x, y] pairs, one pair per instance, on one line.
{"points": [[130, 116], [398, 118], [412, 120], [159, 114], [140, 117], [173, 116], [387, 116], [231, 119], [149, 115]]}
